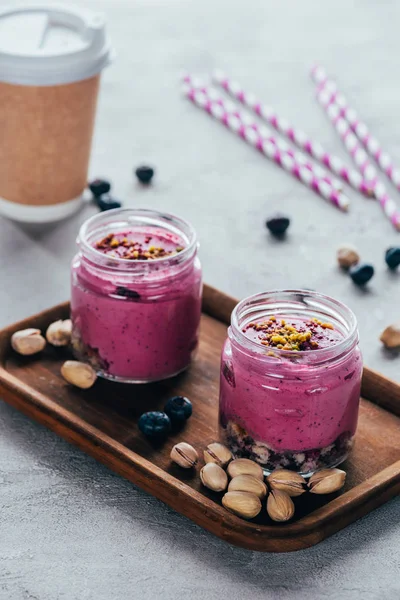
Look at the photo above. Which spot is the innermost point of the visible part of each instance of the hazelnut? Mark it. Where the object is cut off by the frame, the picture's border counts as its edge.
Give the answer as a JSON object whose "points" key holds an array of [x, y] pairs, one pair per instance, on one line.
{"points": [[390, 337], [347, 256]]}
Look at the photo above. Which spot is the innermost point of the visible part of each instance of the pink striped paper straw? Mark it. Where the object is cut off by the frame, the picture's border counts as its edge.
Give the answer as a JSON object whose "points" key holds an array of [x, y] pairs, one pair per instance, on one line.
{"points": [[360, 158], [350, 141], [264, 132], [388, 205], [216, 108], [370, 143], [298, 137], [299, 157]]}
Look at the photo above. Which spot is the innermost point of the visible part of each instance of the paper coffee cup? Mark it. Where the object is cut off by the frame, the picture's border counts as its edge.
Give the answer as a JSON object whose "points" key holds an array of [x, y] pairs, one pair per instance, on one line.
{"points": [[51, 58]]}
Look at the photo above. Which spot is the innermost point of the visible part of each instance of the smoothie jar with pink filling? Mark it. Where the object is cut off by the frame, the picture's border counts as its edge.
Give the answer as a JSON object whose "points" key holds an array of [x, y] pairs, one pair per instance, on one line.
{"points": [[136, 295], [290, 381]]}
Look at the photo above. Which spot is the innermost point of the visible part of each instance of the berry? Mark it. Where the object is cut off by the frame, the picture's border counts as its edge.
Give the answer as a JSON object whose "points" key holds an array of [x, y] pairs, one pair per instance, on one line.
{"points": [[278, 224], [106, 202], [123, 291], [178, 408], [228, 373], [155, 424], [392, 257], [144, 174], [361, 274], [98, 187]]}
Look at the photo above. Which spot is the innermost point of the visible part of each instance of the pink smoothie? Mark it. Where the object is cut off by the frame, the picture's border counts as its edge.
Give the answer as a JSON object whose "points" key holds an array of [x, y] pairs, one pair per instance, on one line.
{"points": [[137, 326], [287, 413]]}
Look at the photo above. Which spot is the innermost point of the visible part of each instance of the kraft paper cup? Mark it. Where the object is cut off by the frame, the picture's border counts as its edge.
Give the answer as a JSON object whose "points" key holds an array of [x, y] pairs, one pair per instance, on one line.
{"points": [[49, 86]]}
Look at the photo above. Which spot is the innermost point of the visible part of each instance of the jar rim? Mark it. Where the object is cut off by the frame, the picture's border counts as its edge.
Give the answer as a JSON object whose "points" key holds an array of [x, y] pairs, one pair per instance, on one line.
{"points": [[312, 356], [152, 217]]}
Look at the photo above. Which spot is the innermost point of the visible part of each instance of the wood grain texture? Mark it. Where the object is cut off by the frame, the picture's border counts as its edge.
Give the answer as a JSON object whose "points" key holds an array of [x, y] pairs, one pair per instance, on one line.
{"points": [[102, 422]]}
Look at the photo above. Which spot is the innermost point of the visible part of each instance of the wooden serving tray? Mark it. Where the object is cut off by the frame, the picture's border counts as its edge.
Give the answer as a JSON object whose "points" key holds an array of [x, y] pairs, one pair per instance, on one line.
{"points": [[102, 422]]}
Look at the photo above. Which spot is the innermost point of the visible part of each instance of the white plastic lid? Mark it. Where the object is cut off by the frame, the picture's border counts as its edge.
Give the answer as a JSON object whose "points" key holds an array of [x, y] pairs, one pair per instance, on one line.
{"points": [[51, 44]]}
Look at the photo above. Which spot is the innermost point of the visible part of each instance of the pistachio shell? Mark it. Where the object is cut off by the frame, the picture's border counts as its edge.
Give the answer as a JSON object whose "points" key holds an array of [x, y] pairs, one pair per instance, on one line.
{"points": [[28, 341], [280, 506], [244, 466], [184, 455], [287, 481], [59, 332], [248, 483], [242, 504], [217, 453], [214, 477], [327, 481], [79, 374]]}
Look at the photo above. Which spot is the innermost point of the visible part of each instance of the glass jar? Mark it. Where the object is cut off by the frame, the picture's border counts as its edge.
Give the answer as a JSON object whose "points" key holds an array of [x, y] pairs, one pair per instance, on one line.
{"points": [[137, 320], [289, 409]]}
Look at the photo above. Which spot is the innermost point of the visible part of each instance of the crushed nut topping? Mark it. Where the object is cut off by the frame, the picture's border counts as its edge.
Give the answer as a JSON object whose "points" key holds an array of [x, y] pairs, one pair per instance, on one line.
{"points": [[129, 249], [279, 334]]}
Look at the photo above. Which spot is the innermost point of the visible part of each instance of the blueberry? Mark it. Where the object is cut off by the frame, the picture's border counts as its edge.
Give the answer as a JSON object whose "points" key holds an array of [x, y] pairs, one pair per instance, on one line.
{"points": [[392, 257], [123, 291], [155, 425], [98, 187], [144, 174], [178, 408], [278, 224], [228, 373], [107, 202], [361, 274]]}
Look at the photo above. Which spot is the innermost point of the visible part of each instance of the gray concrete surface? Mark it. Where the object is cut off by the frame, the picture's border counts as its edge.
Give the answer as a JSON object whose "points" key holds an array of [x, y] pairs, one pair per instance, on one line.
{"points": [[70, 529]]}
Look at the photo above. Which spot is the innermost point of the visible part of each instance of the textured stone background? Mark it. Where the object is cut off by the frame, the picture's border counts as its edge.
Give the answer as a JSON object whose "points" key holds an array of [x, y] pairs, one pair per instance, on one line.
{"points": [[70, 529]]}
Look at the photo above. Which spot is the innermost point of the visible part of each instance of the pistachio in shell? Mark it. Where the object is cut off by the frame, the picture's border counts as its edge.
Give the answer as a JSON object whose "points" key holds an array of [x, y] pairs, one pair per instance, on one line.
{"points": [[327, 481], [249, 484], [242, 504], [287, 481], [59, 332], [214, 477], [245, 466], [184, 455], [217, 453], [79, 374], [28, 341], [280, 506]]}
